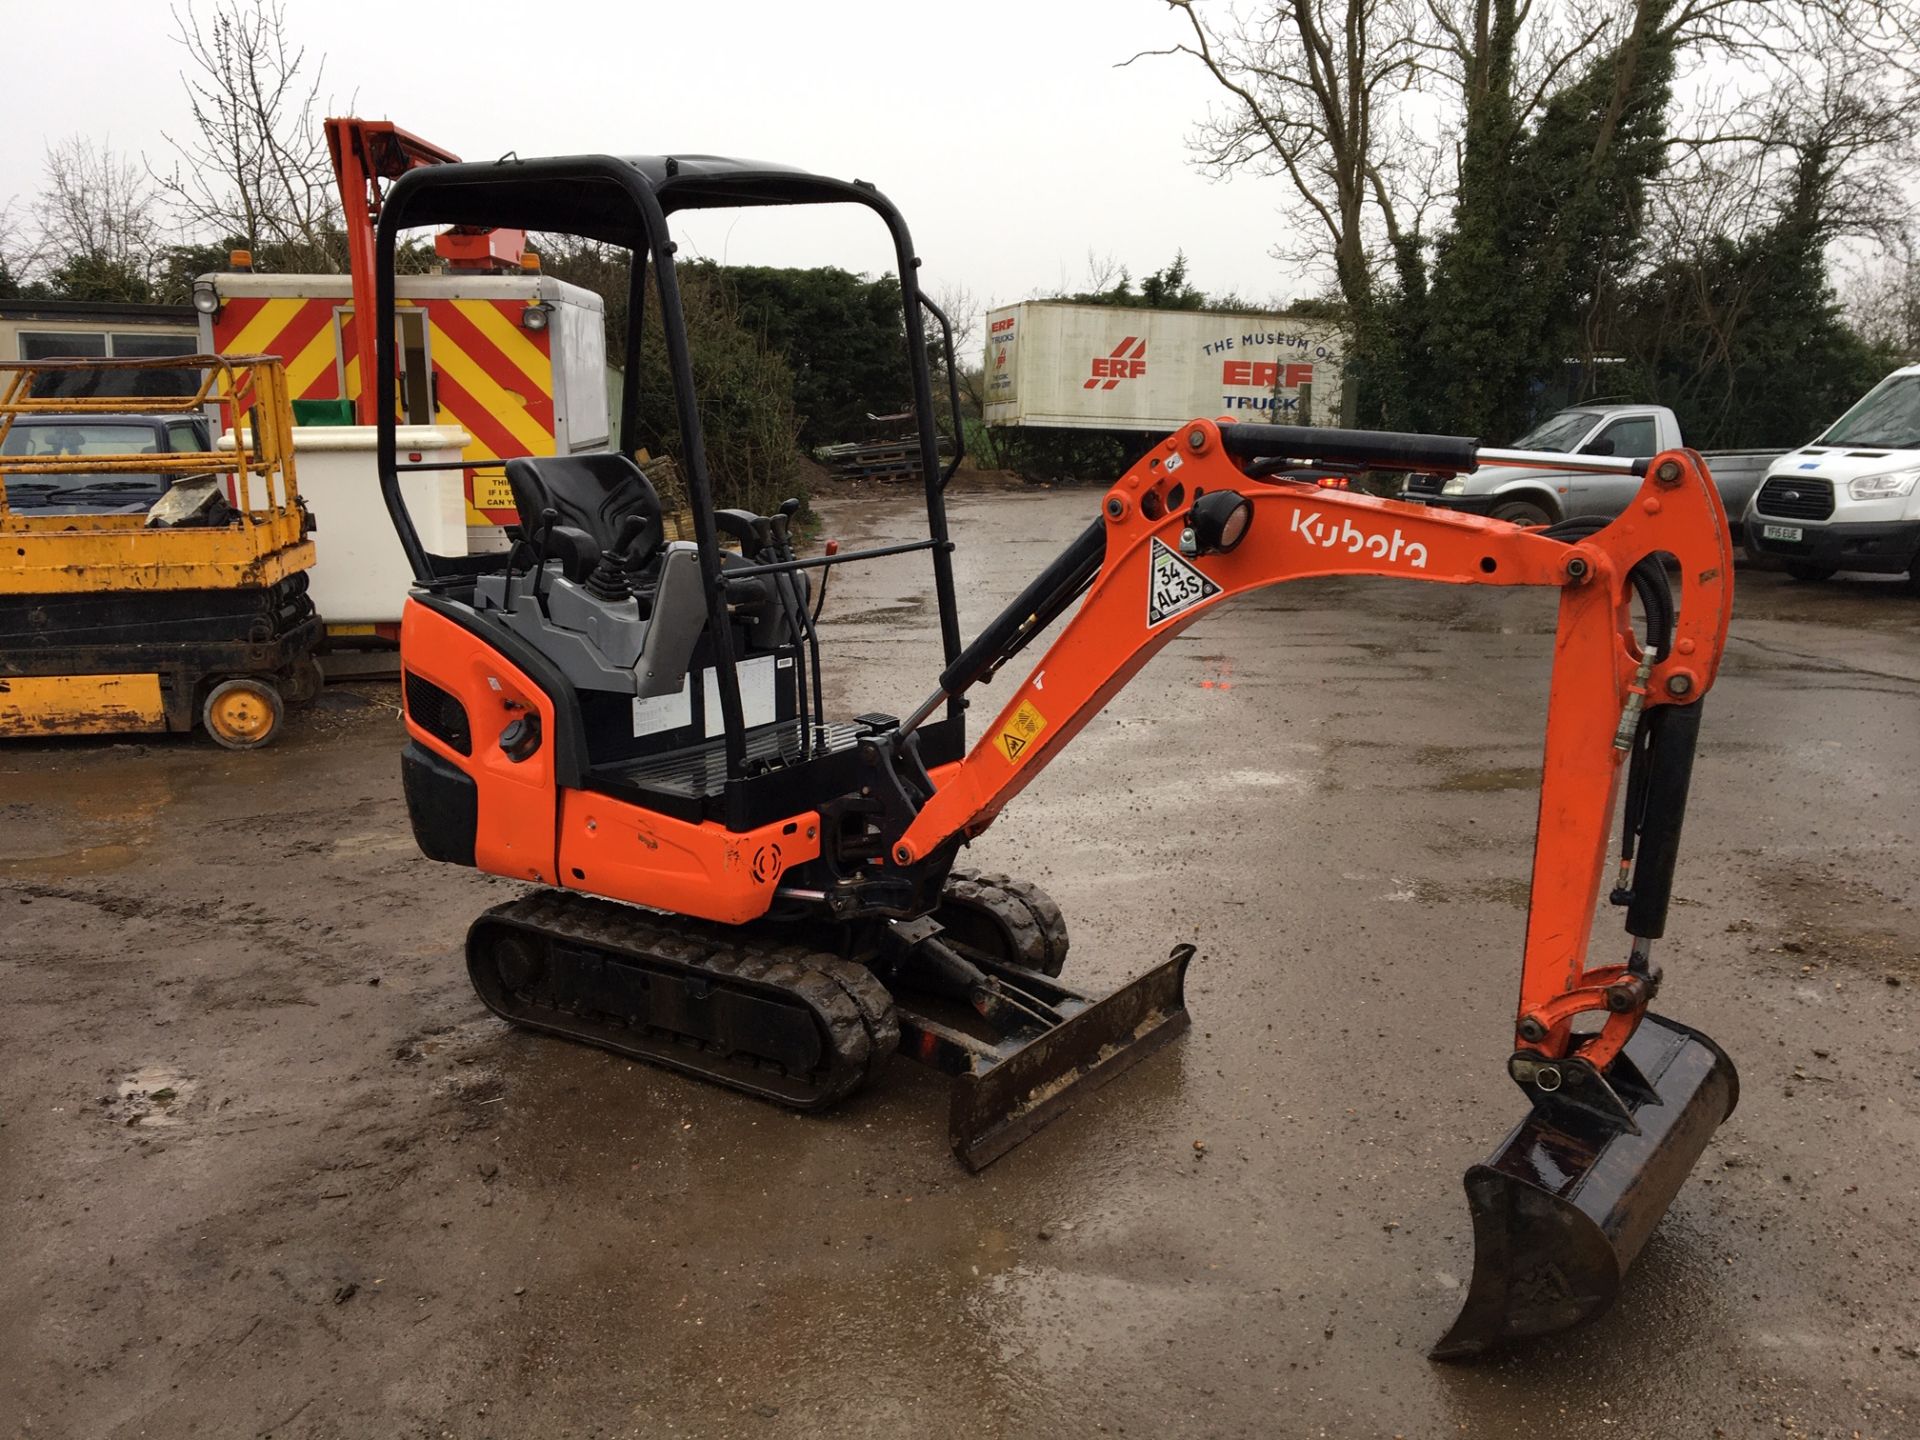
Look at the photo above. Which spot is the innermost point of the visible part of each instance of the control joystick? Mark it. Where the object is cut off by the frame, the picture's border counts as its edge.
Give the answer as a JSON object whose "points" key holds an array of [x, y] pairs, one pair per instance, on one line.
{"points": [[612, 578]]}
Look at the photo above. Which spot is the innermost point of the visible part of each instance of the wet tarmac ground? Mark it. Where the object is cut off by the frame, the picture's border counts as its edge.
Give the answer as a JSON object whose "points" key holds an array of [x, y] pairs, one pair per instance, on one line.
{"points": [[268, 1168]]}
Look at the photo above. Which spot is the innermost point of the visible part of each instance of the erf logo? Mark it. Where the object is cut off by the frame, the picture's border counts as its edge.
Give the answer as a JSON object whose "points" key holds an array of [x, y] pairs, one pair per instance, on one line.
{"points": [[1265, 374], [1110, 370], [1002, 326]]}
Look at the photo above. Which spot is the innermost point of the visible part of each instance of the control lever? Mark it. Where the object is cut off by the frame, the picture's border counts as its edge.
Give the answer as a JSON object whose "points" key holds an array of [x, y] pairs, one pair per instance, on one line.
{"points": [[832, 547], [549, 518], [782, 520], [612, 578], [752, 531]]}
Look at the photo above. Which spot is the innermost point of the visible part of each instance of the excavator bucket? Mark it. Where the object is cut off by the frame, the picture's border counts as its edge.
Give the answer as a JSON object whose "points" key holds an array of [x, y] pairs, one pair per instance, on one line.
{"points": [[1006, 1089], [1561, 1209]]}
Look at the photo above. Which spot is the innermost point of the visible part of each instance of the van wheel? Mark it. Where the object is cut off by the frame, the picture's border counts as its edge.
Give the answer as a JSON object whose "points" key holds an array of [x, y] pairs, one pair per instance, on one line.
{"points": [[242, 714], [1522, 512], [1812, 574]]}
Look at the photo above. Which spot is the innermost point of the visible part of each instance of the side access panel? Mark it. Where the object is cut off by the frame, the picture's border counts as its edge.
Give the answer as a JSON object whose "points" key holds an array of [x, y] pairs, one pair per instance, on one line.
{"points": [[626, 852], [516, 810]]}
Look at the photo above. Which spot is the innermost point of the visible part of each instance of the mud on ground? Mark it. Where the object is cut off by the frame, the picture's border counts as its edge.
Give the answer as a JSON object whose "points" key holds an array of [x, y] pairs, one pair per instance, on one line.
{"points": [[267, 1168]]}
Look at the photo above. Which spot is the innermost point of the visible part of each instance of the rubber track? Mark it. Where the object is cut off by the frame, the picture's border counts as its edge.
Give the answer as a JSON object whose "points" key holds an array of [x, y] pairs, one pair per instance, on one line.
{"points": [[849, 1004], [1026, 915]]}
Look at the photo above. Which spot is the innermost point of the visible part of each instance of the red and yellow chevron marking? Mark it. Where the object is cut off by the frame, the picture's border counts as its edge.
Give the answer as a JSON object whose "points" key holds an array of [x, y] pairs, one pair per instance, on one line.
{"points": [[510, 394], [299, 331], [495, 378]]}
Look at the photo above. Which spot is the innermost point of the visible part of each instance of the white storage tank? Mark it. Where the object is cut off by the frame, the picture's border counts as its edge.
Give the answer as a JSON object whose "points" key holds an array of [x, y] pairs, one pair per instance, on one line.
{"points": [[360, 575]]}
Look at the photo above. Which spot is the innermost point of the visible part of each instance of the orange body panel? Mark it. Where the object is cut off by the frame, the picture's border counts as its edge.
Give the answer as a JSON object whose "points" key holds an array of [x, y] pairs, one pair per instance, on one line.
{"points": [[517, 834], [530, 828], [609, 847]]}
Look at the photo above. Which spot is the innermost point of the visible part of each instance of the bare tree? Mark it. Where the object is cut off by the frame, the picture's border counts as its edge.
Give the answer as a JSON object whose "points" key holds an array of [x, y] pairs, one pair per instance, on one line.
{"points": [[92, 232], [1103, 273], [96, 204], [1311, 90], [964, 313], [1363, 106], [254, 167], [1882, 300], [13, 258], [1825, 141]]}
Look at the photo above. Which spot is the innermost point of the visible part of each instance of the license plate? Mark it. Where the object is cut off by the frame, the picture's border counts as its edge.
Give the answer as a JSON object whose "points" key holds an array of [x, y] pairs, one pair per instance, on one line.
{"points": [[1782, 532]]}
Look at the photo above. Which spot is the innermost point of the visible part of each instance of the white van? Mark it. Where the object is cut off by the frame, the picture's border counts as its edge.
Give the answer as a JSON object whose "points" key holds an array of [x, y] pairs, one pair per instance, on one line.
{"points": [[1851, 499]]}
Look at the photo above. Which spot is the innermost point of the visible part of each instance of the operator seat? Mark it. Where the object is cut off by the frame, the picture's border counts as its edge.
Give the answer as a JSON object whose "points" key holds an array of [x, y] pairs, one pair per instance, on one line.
{"points": [[592, 493]]}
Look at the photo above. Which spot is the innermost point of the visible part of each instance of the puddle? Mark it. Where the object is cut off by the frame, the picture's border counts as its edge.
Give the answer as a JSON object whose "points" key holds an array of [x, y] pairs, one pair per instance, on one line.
{"points": [[70, 864], [1515, 777], [373, 842], [1827, 918], [1259, 780], [66, 823], [1515, 891], [151, 1098]]}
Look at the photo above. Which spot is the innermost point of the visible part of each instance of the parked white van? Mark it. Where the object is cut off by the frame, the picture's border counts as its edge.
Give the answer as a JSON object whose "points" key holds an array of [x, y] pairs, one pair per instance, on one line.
{"points": [[1851, 499]]}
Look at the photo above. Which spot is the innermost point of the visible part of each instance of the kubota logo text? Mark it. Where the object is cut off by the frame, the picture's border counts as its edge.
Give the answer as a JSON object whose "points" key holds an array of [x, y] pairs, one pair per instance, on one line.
{"points": [[1110, 370], [1396, 549]]}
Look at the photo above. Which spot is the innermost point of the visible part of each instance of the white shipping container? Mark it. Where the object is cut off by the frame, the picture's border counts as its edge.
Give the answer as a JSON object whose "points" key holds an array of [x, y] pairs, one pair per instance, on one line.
{"points": [[1102, 367]]}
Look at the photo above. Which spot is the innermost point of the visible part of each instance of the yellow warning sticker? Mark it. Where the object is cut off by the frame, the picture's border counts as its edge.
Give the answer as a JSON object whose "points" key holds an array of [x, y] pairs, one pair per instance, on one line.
{"points": [[1022, 730], [491, 490]]}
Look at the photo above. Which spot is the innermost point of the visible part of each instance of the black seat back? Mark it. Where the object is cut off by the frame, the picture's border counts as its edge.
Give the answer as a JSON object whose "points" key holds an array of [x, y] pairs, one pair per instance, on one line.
{"points": [[593, 493]]}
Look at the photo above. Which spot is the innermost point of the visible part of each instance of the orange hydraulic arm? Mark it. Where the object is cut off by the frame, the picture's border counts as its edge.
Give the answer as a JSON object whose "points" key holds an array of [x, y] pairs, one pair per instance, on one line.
{"points": [[1605, 699], [366, 152]]}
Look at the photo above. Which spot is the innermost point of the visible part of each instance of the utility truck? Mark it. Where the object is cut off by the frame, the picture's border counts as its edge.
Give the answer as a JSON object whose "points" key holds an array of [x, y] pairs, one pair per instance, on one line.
{"points": [[1547, 495], [1055, 365], [1849, 500]]}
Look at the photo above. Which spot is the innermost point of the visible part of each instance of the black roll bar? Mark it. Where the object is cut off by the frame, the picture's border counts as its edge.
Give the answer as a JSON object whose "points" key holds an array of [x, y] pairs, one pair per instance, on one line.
{"points": [[528, 192]]}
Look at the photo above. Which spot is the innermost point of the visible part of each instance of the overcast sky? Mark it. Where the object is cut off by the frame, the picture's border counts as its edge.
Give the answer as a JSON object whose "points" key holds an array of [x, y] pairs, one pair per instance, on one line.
{"points": [[1004, 132]]}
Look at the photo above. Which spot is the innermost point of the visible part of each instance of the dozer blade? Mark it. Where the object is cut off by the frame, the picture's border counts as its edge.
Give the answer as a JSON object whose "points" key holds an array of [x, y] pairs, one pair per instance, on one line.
{"points": [[1561, 1209], [1003, 1091]]}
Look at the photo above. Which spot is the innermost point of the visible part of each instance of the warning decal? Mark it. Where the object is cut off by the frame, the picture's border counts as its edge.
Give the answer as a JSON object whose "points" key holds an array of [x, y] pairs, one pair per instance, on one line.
{"points": [[1173, 585], [1022, 730]]}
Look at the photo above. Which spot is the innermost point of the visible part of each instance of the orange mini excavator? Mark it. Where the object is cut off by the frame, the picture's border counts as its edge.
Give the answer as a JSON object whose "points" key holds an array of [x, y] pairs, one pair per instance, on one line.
{"points": [[736, 886]]}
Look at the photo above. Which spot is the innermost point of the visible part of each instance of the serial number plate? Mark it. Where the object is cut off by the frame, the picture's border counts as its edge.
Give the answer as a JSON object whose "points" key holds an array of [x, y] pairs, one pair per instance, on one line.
{"points": [[1783, 532]]}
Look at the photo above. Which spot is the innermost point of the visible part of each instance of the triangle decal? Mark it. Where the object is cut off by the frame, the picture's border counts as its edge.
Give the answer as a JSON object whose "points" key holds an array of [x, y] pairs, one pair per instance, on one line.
{"points": [[1173, 584]]}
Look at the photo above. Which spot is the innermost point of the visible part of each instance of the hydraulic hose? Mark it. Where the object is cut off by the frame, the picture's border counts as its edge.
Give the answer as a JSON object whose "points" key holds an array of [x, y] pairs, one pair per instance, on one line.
{"points": [[1649, 579]]}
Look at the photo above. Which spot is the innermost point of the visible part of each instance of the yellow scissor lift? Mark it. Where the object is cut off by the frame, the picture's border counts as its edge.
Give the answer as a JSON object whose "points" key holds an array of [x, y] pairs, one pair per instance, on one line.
{"points": [[111, 626]]}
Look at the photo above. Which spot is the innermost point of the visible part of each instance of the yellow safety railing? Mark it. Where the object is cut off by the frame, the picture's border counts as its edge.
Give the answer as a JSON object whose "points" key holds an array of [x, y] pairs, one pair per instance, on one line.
{"points": [[249, 392], [267, 537]]}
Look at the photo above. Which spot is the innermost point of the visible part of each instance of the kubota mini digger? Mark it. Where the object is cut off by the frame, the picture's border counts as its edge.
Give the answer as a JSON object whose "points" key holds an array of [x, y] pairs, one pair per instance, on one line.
{"points": [[737, 886]]}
